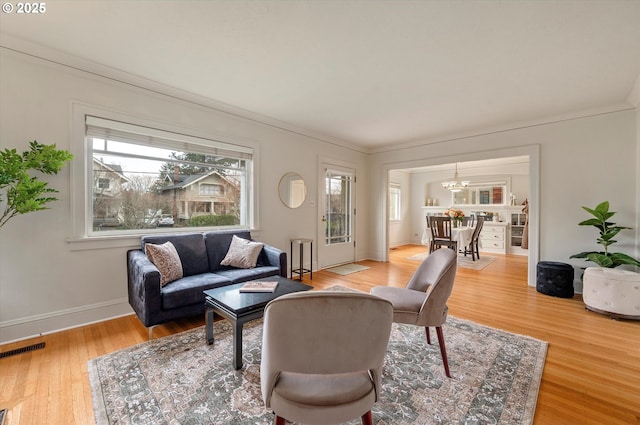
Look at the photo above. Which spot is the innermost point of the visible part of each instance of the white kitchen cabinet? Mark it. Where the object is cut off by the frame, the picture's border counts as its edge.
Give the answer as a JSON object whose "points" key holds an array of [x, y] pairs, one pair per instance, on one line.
{"points": [[493, 237], [516, 233]]}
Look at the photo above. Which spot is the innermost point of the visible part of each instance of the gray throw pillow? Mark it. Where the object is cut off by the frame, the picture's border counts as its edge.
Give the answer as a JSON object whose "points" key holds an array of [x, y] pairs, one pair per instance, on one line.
{"points": [[166, 259], [242, 253]]}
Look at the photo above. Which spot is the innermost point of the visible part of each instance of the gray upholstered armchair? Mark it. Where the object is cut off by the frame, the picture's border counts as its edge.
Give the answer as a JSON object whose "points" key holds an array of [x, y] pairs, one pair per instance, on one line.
{"points": [[322, 356], [423, 302]]}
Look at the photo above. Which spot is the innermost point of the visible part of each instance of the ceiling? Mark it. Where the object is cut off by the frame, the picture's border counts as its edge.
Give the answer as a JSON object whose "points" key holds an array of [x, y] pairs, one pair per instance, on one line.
{"points": [[367, 73]]}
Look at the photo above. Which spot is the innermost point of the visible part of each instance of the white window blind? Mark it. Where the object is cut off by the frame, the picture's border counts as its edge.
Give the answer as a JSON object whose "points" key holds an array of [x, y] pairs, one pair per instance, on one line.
{"points": [[127, 133]]}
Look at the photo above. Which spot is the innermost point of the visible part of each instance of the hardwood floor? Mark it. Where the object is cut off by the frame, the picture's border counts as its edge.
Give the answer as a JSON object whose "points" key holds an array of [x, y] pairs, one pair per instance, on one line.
{"points": [[591, 374]]}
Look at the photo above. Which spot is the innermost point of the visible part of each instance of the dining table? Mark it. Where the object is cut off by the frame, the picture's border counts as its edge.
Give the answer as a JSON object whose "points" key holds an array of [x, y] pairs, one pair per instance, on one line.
{"points": [[462, 235]]}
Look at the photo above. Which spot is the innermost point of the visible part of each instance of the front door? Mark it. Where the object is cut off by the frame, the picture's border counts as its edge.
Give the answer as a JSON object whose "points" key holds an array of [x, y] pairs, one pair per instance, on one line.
{"points": [[336, 230]]}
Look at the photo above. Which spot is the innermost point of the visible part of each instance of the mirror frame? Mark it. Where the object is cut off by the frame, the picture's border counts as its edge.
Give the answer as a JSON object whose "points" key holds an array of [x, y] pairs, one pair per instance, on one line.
{"points": [[476, 186], [292, 190]]}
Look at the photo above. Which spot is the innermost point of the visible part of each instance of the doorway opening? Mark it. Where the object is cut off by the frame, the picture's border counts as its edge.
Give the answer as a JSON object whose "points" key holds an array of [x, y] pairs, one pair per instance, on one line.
{"points": [[423, 194]]}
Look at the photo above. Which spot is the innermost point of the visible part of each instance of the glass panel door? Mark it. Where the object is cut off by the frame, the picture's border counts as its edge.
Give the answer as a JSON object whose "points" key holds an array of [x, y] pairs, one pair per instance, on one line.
{"points": [[337, 221], [338, 208]]}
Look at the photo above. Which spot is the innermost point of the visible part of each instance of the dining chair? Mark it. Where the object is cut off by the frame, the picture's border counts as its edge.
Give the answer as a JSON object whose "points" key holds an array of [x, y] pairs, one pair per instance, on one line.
{"points": [[423, 301], [468, 221], [322, 356], [473, 246], [441, 233]]}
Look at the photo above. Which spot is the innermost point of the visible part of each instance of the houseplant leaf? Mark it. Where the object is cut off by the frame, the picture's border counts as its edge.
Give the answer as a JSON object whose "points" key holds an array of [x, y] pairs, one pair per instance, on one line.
{"points": [[25, 193], [600, 259], [620, 258]]}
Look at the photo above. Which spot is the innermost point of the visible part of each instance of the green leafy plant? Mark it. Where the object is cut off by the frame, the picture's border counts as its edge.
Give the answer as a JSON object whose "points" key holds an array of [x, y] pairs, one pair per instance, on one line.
{"points": [[25, 193], [608, 231]]}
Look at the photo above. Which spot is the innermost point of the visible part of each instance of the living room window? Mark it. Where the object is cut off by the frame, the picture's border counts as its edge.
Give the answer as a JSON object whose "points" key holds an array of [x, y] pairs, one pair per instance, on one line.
{"points": [[137, 175], [395, 210]]}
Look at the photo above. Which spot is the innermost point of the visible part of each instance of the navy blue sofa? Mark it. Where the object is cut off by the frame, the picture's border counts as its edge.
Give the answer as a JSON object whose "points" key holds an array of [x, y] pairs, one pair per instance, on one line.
{"points": [[200, 255]]}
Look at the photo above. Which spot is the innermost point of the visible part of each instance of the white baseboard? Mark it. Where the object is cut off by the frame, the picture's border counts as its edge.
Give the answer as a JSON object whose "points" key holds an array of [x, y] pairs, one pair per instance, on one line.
{"points": [[403, 242], [33, 326]]}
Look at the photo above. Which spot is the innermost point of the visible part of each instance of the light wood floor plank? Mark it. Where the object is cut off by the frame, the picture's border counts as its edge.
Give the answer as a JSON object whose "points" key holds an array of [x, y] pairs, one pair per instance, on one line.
{"points": [[591, 375]]}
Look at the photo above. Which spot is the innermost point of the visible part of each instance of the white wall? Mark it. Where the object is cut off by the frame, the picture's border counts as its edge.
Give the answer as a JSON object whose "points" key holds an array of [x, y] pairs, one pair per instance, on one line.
{"points": [[582, 161], [46, 281], [634, 99], [637, 224]]}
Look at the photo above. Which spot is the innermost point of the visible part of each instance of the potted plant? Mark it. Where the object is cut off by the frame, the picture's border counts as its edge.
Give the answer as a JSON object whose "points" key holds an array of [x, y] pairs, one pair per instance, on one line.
{"points": [[608, 231], [26, 193]]}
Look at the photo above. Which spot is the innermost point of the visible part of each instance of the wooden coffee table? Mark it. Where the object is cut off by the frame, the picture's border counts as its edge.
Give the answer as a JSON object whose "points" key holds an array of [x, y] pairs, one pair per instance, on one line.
{"points": [[242, 307]]}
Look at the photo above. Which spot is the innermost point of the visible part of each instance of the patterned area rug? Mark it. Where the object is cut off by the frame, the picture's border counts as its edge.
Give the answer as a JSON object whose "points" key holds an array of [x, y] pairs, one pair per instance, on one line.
{"points": [[180, 379], [464, 262], [347, 269]]}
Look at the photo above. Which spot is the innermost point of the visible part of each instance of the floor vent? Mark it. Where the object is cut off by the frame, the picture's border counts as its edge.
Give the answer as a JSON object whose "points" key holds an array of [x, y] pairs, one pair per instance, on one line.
{"points": [[9, 353]]}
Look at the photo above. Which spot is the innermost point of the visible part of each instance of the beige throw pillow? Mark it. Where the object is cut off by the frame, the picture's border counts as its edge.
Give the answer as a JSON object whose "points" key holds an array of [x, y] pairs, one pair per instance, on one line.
{"points": [[166, 259], [242, 253]]}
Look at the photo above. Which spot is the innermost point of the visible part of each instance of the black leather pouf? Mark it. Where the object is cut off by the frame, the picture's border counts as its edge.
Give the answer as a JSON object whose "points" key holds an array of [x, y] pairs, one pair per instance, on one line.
{"points": [[555, 279]]}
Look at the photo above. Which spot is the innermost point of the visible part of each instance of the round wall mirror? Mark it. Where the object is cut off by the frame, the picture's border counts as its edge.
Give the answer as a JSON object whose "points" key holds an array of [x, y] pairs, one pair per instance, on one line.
{"points": [[292, 190]]}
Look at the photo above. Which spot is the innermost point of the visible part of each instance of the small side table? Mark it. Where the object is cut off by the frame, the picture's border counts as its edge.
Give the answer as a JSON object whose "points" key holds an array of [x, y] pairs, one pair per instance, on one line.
{"points": [[300, 270]]}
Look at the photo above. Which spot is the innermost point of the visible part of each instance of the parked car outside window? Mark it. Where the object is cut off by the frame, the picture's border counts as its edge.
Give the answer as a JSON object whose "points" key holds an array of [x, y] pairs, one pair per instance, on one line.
{"points": [[166, 220]]}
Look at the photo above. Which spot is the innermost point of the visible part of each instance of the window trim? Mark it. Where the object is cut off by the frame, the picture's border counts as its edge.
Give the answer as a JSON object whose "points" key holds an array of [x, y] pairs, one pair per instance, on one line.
{"points": [[81, 214]]}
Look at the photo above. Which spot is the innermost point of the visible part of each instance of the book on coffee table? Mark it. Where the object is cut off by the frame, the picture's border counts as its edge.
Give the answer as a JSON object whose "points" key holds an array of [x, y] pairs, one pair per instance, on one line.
{"points": [[259, 287]]}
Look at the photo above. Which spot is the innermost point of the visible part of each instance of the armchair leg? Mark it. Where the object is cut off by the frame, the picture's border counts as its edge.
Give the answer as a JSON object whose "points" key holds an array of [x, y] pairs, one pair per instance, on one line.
{"points": [[443, 350], [426, 329], [367, 418], [280, 421]]}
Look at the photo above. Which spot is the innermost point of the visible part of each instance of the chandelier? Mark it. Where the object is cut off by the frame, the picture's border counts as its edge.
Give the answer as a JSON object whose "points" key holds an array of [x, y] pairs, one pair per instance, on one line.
{"points": [[456, 185]]}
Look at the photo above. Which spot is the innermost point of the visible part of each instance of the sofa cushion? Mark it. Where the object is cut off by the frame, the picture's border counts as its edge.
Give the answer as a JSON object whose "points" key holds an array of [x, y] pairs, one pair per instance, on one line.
{"points": [[190, 247], [218, 244], [188, 290], [242, 253], [243, 275], [166, 259]]}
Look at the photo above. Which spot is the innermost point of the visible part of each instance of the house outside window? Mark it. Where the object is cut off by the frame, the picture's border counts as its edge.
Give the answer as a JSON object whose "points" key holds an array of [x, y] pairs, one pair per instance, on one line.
{"points": [[140, 173], [395, 210]]}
